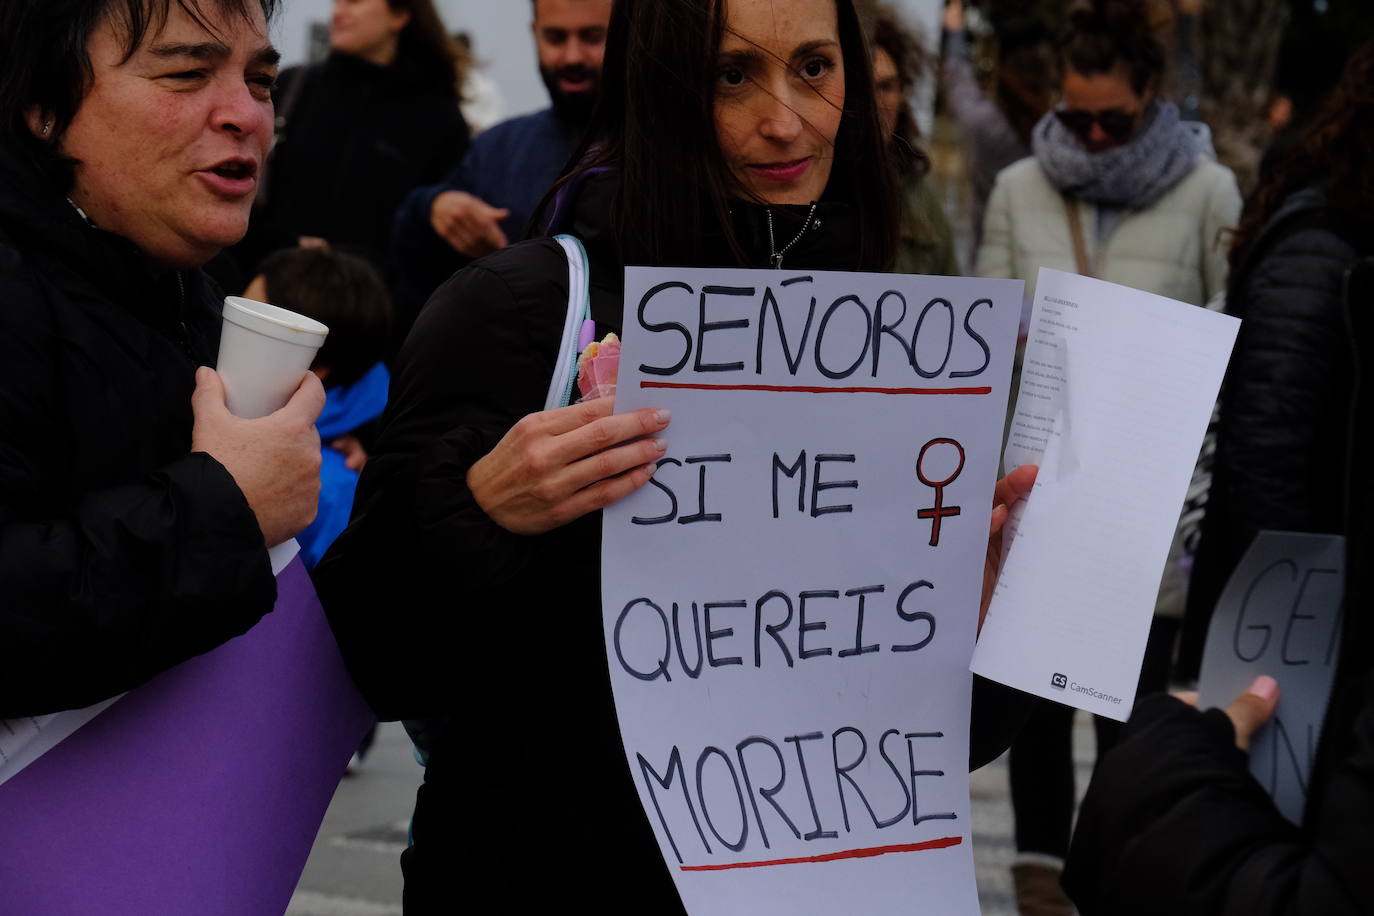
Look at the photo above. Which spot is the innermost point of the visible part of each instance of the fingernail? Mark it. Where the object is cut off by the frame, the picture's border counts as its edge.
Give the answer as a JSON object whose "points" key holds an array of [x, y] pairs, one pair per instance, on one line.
{"points": [[661, 444], [1265, 687], [663, 416], [651, 469]]}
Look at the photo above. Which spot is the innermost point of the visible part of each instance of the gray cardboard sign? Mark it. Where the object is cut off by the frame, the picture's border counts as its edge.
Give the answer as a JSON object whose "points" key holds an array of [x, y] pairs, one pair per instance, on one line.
{"points": [[1280, 615]]}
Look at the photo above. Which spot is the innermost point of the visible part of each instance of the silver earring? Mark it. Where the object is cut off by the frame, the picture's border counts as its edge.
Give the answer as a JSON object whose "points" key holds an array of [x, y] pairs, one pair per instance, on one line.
{"points": [[47, 127]]}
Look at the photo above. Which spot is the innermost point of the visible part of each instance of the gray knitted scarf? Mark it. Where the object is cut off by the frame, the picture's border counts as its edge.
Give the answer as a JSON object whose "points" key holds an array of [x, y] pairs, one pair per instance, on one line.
{"points": [[1132, 176]]}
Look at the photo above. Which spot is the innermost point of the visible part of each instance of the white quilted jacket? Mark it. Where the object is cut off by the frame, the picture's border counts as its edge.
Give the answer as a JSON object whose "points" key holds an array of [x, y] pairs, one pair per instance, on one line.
{"points": [[1176, 248]]}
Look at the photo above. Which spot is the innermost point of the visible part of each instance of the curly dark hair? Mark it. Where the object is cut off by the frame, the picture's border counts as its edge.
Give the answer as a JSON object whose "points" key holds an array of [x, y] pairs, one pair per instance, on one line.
{"points": [[1107, 34], [1336, 151]]}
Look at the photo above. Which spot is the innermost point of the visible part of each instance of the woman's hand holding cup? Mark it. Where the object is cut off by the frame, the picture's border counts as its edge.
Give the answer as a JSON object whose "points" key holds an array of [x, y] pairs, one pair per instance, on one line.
{"points": [[275, 460], [556, 466]]}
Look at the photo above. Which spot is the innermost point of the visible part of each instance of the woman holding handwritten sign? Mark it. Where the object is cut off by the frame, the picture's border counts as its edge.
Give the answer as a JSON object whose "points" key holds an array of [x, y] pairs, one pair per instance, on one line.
{"points": [[465, 592]]}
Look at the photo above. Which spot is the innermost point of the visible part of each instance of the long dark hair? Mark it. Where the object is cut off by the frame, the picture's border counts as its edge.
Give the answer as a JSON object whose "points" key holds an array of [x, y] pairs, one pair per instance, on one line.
{"points": [[425, 49], [913, 64], [654, 125], [1337, 150], [44, 63]]}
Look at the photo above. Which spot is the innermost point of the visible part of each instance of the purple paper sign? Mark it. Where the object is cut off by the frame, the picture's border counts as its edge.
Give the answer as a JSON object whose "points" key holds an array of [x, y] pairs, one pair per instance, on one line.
{"points": [[199, 792]]}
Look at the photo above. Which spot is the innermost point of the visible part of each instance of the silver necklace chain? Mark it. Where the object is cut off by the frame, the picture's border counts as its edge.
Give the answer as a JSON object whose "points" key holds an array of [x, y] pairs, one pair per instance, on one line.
{"points": [[82, 213], [773, 253]]}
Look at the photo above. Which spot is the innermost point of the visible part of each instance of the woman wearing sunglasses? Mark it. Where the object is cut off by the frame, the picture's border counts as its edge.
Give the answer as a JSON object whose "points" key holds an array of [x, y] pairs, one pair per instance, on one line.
{"points": [[1118, 188]]}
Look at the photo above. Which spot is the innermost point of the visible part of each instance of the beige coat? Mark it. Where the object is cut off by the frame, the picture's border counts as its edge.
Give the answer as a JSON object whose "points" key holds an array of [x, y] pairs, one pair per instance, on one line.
{"points": [[1177, 248]]}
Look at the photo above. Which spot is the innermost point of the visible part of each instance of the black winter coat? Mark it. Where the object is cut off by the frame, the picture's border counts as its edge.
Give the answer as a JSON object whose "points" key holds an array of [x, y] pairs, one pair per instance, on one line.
{"points": [[356, 139], [435, 606], [1283, 432], [1173, 822], [121, 552]]}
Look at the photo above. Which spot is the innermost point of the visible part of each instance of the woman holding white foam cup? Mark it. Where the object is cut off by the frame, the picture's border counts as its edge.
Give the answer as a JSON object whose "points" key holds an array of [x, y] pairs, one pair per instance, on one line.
{"points": [[135, 508]]}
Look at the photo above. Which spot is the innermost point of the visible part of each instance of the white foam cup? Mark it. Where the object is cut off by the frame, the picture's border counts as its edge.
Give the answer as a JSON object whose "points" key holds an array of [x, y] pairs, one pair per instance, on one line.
{"points": [[264, 352]]}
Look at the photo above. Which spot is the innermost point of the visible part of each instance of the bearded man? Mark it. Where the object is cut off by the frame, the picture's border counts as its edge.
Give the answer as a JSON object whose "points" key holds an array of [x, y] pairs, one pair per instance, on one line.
{"points": [[487, 201]]}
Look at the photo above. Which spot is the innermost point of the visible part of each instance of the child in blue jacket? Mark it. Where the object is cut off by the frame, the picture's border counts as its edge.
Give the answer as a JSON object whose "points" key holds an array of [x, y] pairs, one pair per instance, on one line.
{"points": [[344, 292]]}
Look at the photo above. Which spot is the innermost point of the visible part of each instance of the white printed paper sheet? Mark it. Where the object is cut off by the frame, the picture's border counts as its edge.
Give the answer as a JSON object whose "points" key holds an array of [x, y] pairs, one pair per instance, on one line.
{"points": [[1117, 387]]}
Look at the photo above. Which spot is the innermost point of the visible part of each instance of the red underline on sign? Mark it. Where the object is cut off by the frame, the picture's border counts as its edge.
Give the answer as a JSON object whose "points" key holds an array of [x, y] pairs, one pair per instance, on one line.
{"points": [[814, 389], [870, 852]]}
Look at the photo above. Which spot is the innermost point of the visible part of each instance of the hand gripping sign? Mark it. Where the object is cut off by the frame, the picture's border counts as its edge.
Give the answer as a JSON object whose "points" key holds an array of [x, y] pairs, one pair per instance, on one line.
{"points": [[789, 617]]}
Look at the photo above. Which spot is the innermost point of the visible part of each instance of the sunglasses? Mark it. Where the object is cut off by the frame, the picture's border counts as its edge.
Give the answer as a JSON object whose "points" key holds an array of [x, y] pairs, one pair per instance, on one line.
{"points": [[1115, 123]]}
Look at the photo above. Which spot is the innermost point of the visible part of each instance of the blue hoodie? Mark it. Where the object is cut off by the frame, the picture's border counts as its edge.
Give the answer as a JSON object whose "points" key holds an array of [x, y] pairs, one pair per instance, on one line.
{"points": [[345, 409]]}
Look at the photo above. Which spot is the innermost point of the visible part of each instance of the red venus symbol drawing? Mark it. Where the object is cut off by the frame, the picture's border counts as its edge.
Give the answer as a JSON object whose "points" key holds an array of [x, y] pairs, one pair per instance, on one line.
{"points": [[938, 512]]}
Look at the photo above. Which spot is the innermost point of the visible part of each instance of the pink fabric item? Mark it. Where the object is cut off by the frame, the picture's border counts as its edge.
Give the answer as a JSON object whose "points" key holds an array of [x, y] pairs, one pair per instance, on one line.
{"points": [[598, 368]]}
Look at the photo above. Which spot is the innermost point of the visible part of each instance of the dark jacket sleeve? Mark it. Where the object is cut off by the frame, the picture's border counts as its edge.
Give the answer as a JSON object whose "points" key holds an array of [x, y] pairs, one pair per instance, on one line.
{"points": [[412, 227], [421, 261], [445, 154], [998, 713], [450, 146], [1174, 823], [421, 561], [1286, 377], [1283, 413], [122, 582]]}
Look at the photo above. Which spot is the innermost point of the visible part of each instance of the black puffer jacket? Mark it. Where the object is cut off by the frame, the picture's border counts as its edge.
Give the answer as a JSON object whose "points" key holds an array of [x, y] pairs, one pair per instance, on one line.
{"points": [[441, 613], [357, 138], [1283, 431], [121, 553], [1173, 822]]}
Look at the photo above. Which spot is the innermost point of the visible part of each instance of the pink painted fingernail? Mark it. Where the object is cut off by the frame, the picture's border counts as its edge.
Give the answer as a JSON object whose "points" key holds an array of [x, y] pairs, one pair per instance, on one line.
{"points": [[661, 444], [1265, 687], [651, 469], [663, 416]]}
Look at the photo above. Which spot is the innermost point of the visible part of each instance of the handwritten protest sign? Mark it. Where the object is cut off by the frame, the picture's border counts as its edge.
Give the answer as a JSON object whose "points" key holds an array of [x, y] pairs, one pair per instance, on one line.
{"points": [[790, 606], [1280, 615]]}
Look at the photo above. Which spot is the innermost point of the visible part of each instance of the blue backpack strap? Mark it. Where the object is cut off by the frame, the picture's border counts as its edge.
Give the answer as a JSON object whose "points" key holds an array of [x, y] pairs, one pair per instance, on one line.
{"points": [[578, 316]]}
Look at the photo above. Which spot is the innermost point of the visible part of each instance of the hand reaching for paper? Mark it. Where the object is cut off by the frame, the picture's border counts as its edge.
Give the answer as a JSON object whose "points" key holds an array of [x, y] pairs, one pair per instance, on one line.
{"points": [[1009, 491], [555, 466]]}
